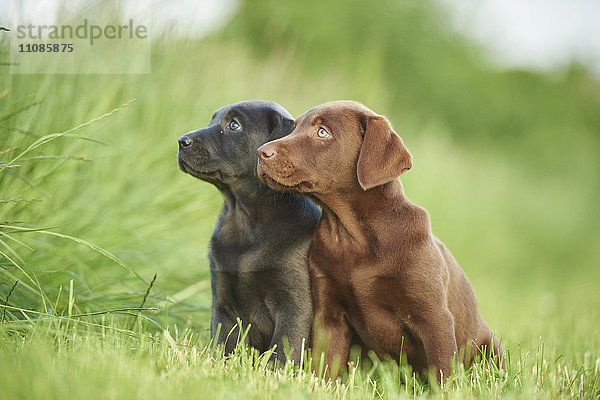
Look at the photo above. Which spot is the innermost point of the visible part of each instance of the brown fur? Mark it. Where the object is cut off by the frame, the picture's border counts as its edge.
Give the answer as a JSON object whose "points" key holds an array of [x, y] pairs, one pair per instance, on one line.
{"points": [[379, 277]]}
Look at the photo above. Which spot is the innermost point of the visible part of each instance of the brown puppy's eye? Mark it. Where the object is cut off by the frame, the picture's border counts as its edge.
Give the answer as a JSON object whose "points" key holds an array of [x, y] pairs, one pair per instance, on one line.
{"points": [[234, 125], [322, 133]]}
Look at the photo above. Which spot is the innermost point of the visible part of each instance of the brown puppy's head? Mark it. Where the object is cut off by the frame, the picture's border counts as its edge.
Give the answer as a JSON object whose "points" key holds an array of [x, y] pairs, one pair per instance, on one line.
{"points": [[335, 147]]}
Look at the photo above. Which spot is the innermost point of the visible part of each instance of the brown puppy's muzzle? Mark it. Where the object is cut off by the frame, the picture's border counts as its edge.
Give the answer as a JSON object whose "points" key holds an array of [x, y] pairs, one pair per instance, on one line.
{"points": [[266, 151], [267, 165], [275, 169]]}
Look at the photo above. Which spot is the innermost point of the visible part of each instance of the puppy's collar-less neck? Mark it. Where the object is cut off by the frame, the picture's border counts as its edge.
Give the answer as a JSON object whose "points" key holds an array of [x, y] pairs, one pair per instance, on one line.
{"points": [[251, 198], [358, 199], [345, 214]]}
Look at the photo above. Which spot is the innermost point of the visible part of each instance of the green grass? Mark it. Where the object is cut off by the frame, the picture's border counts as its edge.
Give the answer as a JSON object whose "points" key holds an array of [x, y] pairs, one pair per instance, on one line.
{"points": [[508, 170]]}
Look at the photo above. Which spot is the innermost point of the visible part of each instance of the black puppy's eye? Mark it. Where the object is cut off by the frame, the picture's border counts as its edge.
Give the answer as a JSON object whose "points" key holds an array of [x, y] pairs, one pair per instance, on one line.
{"points": [[234, 125]]}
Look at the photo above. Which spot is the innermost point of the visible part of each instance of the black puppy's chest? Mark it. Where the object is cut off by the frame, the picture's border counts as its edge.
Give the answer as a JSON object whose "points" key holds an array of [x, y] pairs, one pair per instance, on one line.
{"points": [[242, 298], [243, 280], [235, 247]]}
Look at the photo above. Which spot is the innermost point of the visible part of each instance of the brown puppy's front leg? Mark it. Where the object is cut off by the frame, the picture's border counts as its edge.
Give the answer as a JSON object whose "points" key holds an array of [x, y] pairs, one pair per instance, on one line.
{"points": [[331, 333], [332, 337], [436, 332]]}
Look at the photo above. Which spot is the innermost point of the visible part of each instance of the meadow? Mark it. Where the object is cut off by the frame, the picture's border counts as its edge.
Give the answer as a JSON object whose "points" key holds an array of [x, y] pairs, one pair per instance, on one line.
{"points": [[107, 238]]}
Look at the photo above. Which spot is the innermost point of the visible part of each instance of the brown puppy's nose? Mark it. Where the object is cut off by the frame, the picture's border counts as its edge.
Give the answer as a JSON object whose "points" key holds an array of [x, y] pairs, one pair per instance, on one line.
{"points": [[266, 151]]}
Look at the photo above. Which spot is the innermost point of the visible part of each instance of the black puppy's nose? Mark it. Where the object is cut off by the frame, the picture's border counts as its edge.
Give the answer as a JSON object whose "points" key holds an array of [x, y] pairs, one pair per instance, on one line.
{"points": [[266, 151], [185, 141]]}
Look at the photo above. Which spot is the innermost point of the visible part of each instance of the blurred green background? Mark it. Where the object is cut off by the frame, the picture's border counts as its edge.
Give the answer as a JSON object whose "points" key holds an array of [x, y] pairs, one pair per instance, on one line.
{"points": [[505, 161]]}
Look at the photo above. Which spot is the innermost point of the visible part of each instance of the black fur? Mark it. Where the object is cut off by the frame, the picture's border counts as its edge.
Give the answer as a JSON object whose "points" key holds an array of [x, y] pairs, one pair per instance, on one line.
{"points": [[259, 248]]}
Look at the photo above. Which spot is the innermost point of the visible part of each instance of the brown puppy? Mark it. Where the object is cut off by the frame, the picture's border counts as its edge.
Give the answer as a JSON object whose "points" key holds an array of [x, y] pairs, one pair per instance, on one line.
{"points": [[380, 278]]}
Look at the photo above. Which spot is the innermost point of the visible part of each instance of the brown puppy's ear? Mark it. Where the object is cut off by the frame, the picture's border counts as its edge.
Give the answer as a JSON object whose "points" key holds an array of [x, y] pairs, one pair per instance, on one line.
{"points": [[383, 156]]}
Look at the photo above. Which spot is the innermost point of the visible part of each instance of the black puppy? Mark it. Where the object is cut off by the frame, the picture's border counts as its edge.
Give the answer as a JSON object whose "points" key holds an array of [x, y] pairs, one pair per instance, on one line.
{"points": [[259, 248]]}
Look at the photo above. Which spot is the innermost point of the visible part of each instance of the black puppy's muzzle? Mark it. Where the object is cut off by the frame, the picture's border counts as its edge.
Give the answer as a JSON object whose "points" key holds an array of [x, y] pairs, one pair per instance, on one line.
{"points": [[193, 156]]}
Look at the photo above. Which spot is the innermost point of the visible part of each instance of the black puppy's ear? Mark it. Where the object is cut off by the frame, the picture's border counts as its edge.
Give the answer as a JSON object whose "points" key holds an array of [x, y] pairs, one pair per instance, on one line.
{"points": [[280, 125], [383, 156]]}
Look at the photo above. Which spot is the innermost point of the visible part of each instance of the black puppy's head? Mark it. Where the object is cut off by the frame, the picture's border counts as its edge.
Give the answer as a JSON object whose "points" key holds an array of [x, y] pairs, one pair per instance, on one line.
{"points": [[225, 151]]}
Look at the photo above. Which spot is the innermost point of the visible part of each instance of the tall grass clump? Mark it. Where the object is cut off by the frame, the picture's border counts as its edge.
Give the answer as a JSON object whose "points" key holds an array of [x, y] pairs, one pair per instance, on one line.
{"points": [[36, 299]]}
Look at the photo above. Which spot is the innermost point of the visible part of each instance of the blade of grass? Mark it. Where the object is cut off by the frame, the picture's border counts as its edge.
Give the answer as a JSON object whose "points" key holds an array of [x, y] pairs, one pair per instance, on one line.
{"points": [[6, 301], [9, 237], [34, 281], [145, 297], [92, 246], [20, 110], [20, 201], [53, 136]]}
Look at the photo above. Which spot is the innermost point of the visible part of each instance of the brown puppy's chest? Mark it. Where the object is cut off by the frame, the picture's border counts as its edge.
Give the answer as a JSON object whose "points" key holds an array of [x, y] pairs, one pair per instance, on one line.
{"points": [[373, 305]]}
